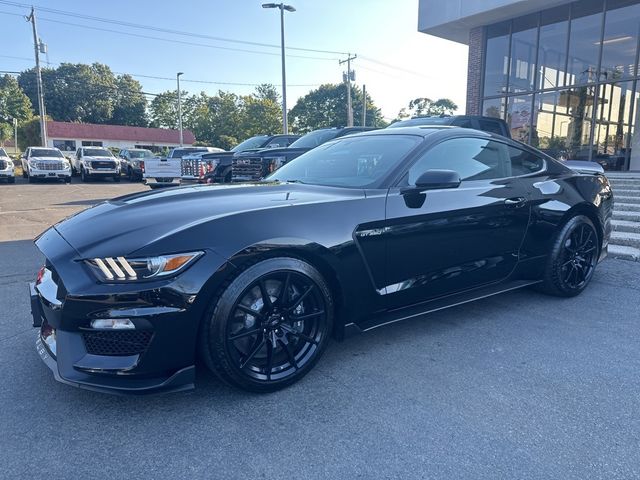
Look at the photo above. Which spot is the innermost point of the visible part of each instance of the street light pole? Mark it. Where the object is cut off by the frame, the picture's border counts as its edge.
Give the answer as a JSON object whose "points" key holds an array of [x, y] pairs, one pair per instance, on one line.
{"points": [[288, 8], [179, 109], [38, 45]]}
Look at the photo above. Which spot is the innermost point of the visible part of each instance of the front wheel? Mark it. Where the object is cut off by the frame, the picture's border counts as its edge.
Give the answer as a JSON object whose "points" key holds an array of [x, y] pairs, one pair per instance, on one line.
{"points": [[12, 180], [116, 179], [83, 175], [269, 326], [573, 258]]}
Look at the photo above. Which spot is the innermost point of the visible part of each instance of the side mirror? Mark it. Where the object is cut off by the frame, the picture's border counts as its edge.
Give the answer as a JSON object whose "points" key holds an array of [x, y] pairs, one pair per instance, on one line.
{"points": [[436, 179]]}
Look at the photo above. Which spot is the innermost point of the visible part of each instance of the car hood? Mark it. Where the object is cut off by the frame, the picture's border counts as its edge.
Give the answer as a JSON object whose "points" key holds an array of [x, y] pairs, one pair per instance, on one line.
{"points": [[125, 225]]}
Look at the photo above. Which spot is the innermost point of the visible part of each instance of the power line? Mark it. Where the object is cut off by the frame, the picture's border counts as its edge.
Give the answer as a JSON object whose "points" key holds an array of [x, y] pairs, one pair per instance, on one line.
{"points": [[163, 30]]}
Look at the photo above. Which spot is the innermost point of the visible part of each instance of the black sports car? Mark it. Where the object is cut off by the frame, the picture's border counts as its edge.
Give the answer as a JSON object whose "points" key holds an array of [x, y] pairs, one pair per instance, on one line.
{"points": [[360, 232]]}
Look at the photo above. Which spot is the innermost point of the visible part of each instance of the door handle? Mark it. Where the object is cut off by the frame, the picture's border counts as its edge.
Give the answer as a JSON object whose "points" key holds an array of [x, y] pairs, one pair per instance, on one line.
{"points": [[515, 202]]}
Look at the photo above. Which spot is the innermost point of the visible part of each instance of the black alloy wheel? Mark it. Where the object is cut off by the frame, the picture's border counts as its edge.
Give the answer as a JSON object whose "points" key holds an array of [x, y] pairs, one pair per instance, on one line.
{"points": [[573, 258], [270, 325]]}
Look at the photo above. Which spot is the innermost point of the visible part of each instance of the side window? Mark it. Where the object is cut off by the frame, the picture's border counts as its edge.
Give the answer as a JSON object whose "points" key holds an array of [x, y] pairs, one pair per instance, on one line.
{"points": [[278, 142], [490, 126], [523, 162], [472, 158]]}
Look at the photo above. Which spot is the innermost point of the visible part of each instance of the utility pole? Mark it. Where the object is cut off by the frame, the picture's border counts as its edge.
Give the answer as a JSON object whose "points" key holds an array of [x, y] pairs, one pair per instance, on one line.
{"points": [[288, 8], [364, 105], [180, 109], [348, 77], [15, 136], [38, 46]]}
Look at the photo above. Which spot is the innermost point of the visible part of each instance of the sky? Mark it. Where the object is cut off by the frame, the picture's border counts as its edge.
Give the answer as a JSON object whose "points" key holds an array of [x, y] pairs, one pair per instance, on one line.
{"points": [[395, 61]]}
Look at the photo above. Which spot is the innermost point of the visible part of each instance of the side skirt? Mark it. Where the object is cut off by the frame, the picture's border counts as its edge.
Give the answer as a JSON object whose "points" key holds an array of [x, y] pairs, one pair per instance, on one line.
{"points": [[441, 303]]}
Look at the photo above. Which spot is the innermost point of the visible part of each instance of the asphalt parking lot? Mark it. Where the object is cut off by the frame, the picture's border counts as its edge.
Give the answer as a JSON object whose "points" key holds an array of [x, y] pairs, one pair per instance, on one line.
{"points": [[515, 386]]}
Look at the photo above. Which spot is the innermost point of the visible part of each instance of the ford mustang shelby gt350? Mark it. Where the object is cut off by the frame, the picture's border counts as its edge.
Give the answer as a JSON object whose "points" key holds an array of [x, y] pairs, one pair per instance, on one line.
{"points": [[254, 279]]}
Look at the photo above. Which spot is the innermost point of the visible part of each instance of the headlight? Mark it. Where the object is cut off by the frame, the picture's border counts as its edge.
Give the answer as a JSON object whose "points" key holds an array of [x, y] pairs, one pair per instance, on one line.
{"points": [[275, 163], [120, 269], [66, 165], [9, 165]]}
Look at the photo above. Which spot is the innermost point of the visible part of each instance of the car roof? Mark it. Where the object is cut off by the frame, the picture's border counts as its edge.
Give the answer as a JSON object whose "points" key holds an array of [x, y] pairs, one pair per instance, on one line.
{"points": [[421, 130]]}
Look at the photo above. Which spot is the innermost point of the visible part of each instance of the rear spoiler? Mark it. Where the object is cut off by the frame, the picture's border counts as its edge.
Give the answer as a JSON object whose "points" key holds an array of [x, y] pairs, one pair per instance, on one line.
{"points": [[580, 166]]}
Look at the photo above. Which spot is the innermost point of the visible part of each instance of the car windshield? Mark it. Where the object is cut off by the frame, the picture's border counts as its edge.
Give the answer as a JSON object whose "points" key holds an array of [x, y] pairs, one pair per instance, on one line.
{"points": [[3, 153], [250, 143], [353, 162], [46, 152], [140, 154], [97, 152], [315, 138], [181, 152], [412, 122]]}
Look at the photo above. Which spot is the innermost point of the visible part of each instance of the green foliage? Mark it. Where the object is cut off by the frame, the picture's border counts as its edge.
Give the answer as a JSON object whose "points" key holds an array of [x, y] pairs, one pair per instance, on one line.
{"points": [[221, 120], [327, 107], [6, 132], [76, 92], [29, 134], [425, 107], [13, 102]]}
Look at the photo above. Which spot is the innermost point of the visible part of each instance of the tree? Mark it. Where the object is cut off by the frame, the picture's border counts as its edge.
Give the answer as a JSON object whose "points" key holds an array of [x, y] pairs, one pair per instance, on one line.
{"points": [[425, 107], [130, 106], [13, 102], [76, 92], [163, 110], [327, 107], [6, 132], [29, 133]]}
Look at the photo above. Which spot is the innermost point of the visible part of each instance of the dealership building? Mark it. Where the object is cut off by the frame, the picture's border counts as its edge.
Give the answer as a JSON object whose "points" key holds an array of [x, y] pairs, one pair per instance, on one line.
{"points": [[68, 136], [563, 74]]}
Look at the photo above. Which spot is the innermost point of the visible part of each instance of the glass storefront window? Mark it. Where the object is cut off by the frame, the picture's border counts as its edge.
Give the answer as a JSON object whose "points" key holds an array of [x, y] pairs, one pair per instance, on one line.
{"points": [[547, 133], [522, 67], [497, 59], [552, 49], [576, 106], [493, 107], [620, 40], [519, 117], [584, 42]]}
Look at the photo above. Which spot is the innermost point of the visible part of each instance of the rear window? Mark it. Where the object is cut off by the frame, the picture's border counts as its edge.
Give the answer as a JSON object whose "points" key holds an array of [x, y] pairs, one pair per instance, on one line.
{"points": [[414, 122], [181, 152]]}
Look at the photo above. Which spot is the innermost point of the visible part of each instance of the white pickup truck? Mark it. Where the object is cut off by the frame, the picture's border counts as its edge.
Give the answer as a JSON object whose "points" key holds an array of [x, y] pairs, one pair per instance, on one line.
{"points": [[95, 162], [45, 163], [166, 172], [7, 169]]}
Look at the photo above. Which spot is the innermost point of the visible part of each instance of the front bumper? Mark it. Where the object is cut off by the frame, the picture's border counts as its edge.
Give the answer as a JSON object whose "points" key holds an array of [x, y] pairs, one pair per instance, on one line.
{"points": [[157, 356], [101, 172], [162, 181], [7, 173], [35, 173]]}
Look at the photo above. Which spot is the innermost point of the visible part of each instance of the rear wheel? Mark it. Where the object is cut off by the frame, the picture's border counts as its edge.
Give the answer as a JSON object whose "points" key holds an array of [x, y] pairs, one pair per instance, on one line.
{"points": [[573, 258], [269, 326]]}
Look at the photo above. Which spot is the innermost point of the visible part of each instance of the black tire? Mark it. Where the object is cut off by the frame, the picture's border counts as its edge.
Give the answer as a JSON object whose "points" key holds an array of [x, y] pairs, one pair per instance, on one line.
{"points": [[11, 180], [573, 258], [67, 180], [24, 173], [116, 179], [291, 330], [83, 175], [31, 179], [130, 175]]}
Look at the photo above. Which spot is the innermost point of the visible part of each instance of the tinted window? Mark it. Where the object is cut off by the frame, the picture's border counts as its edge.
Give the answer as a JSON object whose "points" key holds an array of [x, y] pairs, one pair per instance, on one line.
{"points": [[181, 152], [355, 162], [313, 139], [462, 122], [45, 152], [472, 158], [414, 122], [491, 126], [279, 142], [523, 162], [140, 154], [97, 152], [250, 143]]}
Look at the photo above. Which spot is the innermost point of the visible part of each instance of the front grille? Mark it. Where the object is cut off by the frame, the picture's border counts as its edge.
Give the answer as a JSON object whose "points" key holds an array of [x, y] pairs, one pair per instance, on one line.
{"points": [[197, 168], [50, 165], [247, 168], [105, 164], [117, 342], [3, 164]]}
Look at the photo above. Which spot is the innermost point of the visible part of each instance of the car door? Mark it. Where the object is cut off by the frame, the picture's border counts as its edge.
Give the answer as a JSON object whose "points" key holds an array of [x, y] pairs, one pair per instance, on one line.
{"points": [[447, 240]]}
